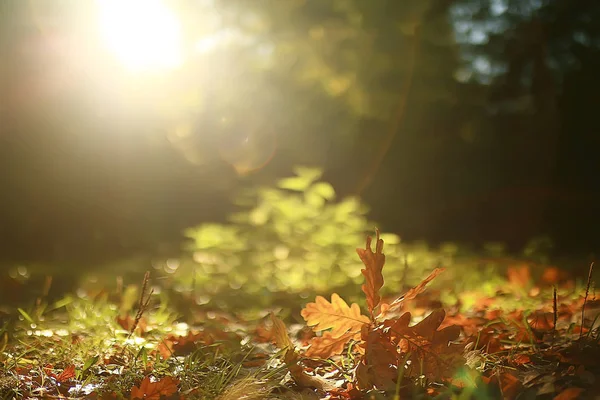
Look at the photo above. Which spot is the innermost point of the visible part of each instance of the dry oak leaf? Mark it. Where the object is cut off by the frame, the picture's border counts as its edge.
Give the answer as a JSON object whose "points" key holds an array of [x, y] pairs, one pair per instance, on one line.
{"points": [[374, 263], [337, 316], [149, 390], [328, 345], [378, 367], [432, 347], [280, 334], [411, 294]]}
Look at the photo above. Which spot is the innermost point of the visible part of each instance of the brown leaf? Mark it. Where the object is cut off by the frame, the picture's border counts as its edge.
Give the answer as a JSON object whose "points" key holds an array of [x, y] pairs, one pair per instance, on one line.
{"points": [[374, 263], [431, 349], [280, 334], [337, 316], [509, 385], [328, 345], [521, 359], [412, 293], [183, 345], [378, 367], [569, 394], [127, 322], [148, 390]]}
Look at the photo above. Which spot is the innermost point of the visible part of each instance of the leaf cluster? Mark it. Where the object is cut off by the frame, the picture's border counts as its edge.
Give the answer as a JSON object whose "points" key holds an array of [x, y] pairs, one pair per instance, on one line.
{"points": [[386, 346]]}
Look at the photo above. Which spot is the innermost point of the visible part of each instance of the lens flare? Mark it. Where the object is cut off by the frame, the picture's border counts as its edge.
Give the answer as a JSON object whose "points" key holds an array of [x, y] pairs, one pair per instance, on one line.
{"points": [[142, 34]]}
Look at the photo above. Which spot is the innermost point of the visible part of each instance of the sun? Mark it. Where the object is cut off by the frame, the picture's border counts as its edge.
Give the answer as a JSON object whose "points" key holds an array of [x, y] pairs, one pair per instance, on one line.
{"points": [[142, 34]]}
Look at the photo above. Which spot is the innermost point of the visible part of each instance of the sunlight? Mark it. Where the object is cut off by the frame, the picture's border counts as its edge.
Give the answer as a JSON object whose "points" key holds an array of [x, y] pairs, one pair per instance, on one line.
{"points": [[142, 34]]}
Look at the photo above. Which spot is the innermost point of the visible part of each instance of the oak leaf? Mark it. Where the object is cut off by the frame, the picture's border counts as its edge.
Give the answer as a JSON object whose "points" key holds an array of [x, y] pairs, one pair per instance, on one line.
{"points": [[291, 358], [149, 390], [411, 294], [374, 263], [327, 345], [337, 316], [378, 367], [437, 356]]}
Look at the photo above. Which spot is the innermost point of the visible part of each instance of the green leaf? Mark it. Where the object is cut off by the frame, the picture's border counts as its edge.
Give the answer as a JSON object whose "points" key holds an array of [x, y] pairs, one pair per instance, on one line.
{"points": [[89, 363], [314, 199], [298, 183], [259, 216], [324, 190]]}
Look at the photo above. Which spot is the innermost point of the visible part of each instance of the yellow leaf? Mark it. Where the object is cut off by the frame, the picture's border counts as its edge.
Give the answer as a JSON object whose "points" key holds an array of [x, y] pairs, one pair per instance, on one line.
{"points": [[280, 334], [337, 316]]}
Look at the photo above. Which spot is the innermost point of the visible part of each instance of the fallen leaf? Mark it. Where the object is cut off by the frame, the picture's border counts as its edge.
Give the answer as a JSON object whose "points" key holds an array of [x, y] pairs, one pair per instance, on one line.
{"points": [[337, 316], [374, 263], [66, 374], [127, 322], [509, 385], [519, 275], [411, 294], [280, 334], [569, 394], [148, 390], [430, 349], [378, 367], [521, 359], [327, 345]]}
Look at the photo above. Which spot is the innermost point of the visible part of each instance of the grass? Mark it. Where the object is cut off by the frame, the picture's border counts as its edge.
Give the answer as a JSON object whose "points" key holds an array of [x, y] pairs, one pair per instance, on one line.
{"points": [[113, 340]]}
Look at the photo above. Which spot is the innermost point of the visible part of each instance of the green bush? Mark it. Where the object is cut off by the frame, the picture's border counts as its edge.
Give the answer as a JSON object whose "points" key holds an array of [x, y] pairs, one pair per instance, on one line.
{"points": [[294, 238]]}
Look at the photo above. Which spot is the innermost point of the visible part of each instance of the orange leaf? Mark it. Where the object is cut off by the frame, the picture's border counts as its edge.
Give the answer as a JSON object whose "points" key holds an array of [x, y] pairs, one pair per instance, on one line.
{"points": [[569, 394], [337, 316], [67, 374], [509, 385], [149, 390], [127, 322], [412, 293], [327, 345], [521, 359], [373, 276], [519, 275], [280, 334]]}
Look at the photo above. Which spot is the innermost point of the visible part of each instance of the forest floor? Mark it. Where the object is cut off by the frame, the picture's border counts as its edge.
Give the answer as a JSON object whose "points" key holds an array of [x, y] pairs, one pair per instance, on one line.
{"points": [[521, 339]]}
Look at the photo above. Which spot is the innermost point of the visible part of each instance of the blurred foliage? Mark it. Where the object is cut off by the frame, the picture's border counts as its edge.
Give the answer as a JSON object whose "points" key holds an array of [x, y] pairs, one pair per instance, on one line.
{"points": [[295, 237], [298, 239]]}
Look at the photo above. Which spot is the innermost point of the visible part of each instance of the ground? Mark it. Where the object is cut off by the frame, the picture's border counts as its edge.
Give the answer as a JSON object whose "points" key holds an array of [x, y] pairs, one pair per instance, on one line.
{"points": [[531, 333]]}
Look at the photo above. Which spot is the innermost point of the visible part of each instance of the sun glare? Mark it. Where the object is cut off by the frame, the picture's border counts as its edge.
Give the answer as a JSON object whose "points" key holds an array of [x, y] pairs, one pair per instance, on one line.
{"points": [[142, 34]]}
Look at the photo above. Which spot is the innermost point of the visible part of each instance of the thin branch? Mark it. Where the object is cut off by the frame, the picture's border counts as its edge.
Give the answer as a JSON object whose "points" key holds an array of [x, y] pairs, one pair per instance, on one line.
{"points": [[587, 292]]}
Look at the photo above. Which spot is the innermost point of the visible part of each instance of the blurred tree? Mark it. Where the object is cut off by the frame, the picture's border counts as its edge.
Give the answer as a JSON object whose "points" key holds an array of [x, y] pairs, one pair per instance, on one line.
{"points": [[429, 109], [533, 59]]}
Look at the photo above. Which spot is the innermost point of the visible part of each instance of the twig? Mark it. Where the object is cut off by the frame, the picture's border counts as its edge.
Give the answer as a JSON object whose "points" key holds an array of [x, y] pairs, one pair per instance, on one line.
{"points": [[142, 305], [587, 292], [555, 311]]}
